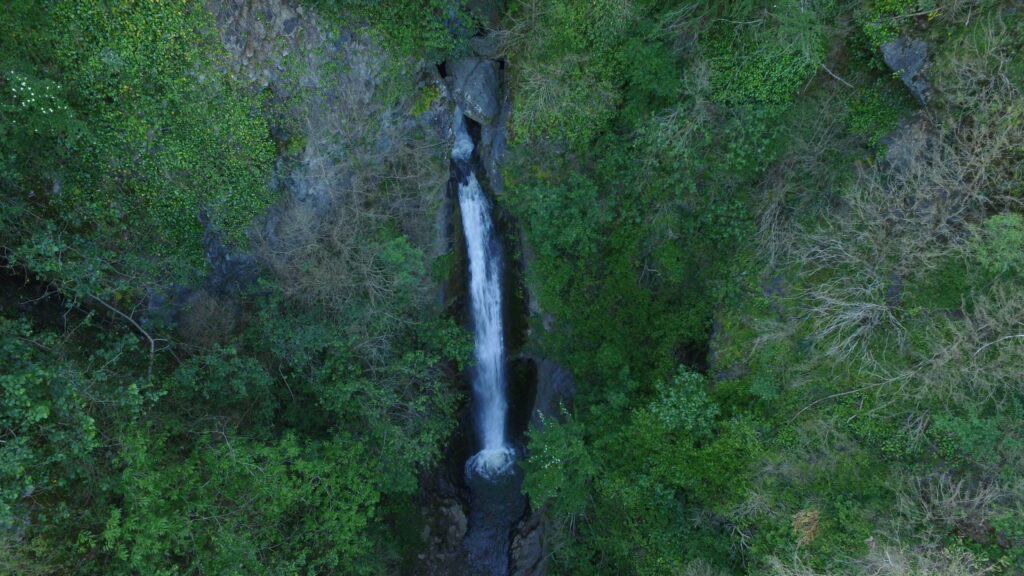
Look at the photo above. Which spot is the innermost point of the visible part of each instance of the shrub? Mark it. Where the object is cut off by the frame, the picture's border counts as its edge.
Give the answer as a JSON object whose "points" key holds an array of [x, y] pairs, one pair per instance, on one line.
{"points": [[564, 98], [895, 222], [999, 246], [207, 319], [559, 468], [899, 561], [684, 404], [974, 357], [876, 111], [939, 504], [765, 56], [409, 28]]}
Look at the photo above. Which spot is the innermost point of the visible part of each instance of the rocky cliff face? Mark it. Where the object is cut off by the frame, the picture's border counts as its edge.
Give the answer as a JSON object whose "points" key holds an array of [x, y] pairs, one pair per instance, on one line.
{"points": [[338, 100], [349, 119]]}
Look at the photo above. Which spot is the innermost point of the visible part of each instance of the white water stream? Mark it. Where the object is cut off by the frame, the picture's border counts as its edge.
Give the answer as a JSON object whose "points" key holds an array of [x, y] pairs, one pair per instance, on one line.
{"points": [[490, 406]]}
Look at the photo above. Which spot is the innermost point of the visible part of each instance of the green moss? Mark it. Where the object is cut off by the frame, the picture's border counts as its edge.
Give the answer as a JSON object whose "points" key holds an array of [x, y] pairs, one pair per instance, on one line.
{"points": [[999, 245], [944, 287], [409, 28], [425, 98], [876, 111], [883, 20]]}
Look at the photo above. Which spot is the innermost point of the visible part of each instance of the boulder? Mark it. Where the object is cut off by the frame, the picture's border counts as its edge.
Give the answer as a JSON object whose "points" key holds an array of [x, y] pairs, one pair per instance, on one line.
{"points": [[909, 58], [454, 518], [527, 556], [474, 87], [488, 46]]}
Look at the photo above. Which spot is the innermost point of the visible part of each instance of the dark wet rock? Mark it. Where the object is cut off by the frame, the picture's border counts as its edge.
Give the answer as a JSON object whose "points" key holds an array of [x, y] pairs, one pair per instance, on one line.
{"points": [[474, 87], [288, 25], [442, 553], [455, 524], [909, 58], [230, 270], [528, 555], [493, 144], [554, 390]]}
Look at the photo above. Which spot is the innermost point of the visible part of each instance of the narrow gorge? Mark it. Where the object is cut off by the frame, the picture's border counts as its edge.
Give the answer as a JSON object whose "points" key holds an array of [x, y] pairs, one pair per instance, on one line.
{"points": [[488, 375], [490, 473], [512, 288]]}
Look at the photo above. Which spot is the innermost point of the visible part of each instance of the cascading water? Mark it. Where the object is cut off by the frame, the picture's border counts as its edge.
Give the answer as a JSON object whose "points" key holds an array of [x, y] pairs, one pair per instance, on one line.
{"points": [[489, 404], [495, 482]]}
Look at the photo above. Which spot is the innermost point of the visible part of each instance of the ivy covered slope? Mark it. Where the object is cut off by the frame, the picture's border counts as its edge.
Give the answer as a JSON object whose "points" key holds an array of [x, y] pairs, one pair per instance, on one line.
{"points": [[119, 130], [788, 285], [155, 419]]}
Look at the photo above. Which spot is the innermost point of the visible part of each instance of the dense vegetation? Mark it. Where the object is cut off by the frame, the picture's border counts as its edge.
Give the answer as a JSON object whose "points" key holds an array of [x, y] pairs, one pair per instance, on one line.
{"points": [[790, 293], [716, 172], [152, 420]]}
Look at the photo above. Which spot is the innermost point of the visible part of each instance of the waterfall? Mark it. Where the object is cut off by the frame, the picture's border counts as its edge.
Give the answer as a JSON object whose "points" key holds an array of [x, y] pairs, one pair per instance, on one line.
{"points": [[488, 375]]}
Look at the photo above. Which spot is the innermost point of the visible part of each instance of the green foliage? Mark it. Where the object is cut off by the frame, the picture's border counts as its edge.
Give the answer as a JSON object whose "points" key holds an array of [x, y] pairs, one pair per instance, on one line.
{"points": [[426, 98], [281, 452], [577, 63], [559, 468], [263, 508], [409, 28], [701, 194], [124, 117], [282, 442], [765, 59], [945, 287], [630, 235], [882, 20], [999, 246], [228, 381], [969, 438], [721, 469], [650, 74], [685, 405], [673, 166], [49, 413], [33, 411], [876, 112], [886, 435]]}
